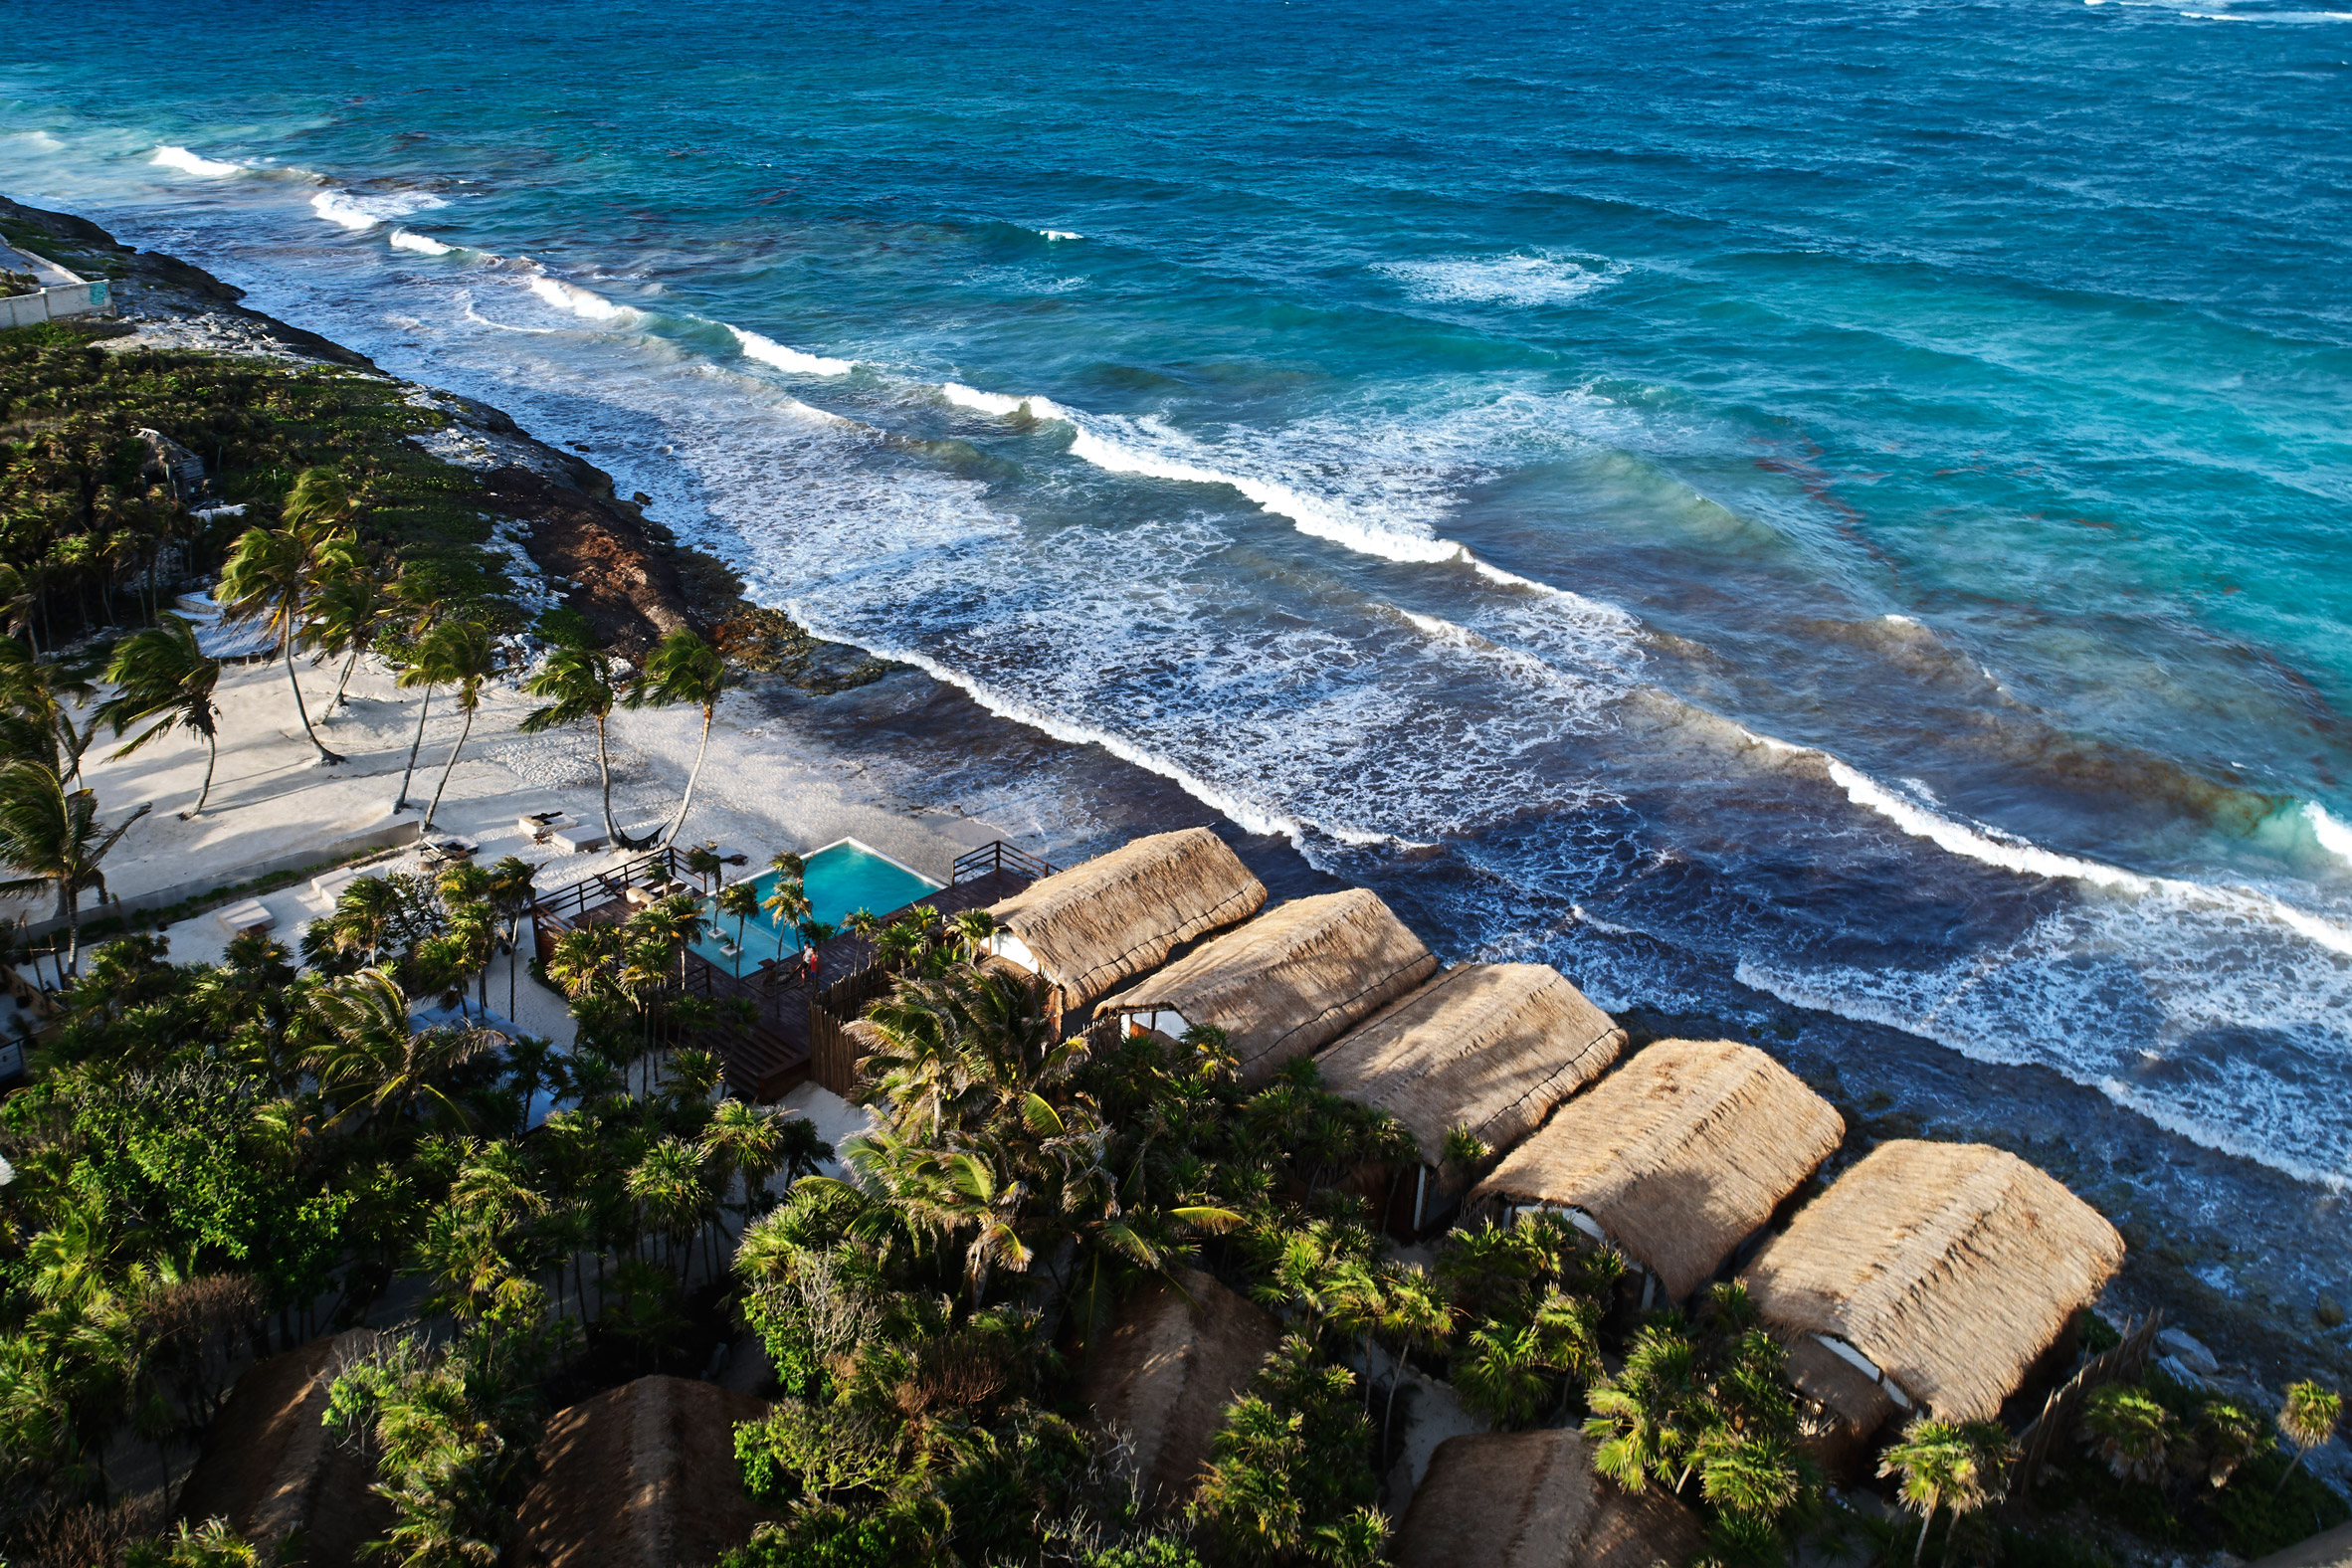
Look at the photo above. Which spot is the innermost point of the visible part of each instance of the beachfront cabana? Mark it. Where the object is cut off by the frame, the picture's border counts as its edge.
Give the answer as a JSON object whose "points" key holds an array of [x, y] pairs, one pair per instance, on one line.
{"points": [[273, 1469], [1930, 1274], [1675, 1158], [1488, 1047], [1174, 1359], [643, 1476], [1119, 915], [1288, 983], [1532, 1499]]}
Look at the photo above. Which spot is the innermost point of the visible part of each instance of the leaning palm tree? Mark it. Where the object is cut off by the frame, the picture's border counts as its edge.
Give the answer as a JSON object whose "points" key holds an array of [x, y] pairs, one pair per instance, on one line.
{"points": [[577, 683], [2308, 1419], [370, 1052], [271, 575], [162, 674], [349, 608], [459, 653], [52, 836], [683, 668]]}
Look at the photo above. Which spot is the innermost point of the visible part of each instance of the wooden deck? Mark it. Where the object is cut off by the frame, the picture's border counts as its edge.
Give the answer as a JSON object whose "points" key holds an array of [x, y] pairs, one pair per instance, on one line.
{"points": [[771, 1057]]}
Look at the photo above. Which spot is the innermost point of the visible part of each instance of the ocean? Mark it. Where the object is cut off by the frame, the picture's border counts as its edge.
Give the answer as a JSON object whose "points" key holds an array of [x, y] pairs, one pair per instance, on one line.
{"points": [[1826, 519]]}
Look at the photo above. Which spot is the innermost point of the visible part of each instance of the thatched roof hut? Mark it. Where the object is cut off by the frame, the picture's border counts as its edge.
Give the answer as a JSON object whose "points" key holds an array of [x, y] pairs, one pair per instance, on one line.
{"points": [[1942, 1270], [271, 1467], [1676, 1157], [643, 1476], [1488, 1047], [1531, 1499], [1165, 1373], [1119, 915], [1288, 983]]}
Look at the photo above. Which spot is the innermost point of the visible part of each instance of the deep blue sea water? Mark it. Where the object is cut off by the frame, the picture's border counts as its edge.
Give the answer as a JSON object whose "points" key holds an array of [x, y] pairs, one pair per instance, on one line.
{"points": [[1837, 505]]}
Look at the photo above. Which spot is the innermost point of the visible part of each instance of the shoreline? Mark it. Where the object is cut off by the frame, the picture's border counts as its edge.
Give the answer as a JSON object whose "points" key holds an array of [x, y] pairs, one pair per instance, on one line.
{"points": [[917, 748]]}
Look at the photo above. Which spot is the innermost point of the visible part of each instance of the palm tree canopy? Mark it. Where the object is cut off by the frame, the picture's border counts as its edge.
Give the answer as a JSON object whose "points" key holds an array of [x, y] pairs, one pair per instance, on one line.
{"points": [[52, 833], [163, 675], [681, 669], [576, 682]]}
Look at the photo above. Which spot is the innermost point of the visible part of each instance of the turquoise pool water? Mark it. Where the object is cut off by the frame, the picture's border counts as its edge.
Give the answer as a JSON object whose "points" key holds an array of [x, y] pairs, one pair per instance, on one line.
{"points": [[841, 880]]}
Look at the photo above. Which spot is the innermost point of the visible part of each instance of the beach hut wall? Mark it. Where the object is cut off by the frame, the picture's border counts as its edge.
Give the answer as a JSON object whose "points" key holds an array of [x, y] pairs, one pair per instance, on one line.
{"points": [[1939, 1271], [1288, 983], [1493, 1047], [272, 1468], [1532, 1499], [643, 1476], [1175, 1357], [1675, 1158], [1088, 929]]}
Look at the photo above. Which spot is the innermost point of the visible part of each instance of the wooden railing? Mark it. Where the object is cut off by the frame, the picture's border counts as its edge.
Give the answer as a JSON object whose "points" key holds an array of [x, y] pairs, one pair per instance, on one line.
{"points": [[996, 858]]}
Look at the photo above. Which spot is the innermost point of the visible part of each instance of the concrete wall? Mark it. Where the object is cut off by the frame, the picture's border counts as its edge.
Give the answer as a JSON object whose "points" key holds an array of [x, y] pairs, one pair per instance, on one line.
{"points": [[391, 835], [51, 304]]}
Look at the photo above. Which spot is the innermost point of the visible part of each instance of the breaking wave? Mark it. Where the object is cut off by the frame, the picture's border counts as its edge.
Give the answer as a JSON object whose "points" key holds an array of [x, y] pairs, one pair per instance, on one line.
{"points": [[422, 244], [355, 212], [180, 158], [770, 352]]}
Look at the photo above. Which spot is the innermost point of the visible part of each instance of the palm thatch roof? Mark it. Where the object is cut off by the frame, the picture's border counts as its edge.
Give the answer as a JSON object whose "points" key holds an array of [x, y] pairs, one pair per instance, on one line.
{"points": [[643, 1476], [1678, 1156], [1490, 1046], [1531, 1499], [1951, 1266], [1289, 982], [1090, 928], [1163, 1376], [271, 1467]]}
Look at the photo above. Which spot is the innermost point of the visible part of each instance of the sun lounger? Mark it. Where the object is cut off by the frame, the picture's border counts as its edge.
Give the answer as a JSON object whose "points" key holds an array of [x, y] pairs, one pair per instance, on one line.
{"points": [[250, 915], [578, 839]]}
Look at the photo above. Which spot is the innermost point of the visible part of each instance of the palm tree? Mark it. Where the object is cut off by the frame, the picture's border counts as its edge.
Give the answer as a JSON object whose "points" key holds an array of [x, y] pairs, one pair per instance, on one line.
{"points": [[2308, 1419], [370, 1052], [1415, 1319], [459, 653], [671, 1185], [345, 613], [741, 901], [2131, 1431], [1946, 1465], [743, 1140], [162, 674], [788, 902], [512, 895], [579, 683], [683, 668], [272, 574], [703, 863], [52, 836], [422, 613]]}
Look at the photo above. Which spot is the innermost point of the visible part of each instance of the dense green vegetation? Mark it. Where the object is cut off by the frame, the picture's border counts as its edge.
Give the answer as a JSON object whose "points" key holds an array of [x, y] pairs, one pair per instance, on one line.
{"points": [[89, 516]]}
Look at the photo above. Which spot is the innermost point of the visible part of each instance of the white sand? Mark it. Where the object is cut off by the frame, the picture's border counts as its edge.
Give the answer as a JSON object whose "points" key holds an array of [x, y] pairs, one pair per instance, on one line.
{"points": [[271, 798]]}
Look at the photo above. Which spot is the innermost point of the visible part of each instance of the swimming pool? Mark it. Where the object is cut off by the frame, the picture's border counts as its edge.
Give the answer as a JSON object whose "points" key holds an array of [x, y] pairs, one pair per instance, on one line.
{"points": [[840, 879]]}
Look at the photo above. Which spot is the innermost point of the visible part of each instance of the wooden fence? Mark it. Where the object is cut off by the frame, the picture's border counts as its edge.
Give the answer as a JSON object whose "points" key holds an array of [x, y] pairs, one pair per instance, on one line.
{"points": [[833, 1055], [2120, 1363]]}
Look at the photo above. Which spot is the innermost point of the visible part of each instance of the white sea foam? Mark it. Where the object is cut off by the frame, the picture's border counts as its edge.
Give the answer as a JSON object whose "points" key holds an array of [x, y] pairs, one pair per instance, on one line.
{"points": [[770, 352], [1506, 279], [1002, 405], [2333, 836], [422, 244], [585, 304], [1059, 234], [356, 212], [180, 158]]}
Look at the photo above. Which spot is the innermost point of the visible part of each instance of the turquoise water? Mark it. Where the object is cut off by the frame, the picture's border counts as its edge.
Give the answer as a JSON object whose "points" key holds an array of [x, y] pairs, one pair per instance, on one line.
{"points": [[1835, 511], [840, 879]]}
